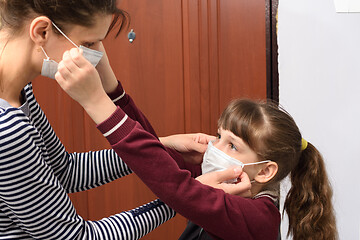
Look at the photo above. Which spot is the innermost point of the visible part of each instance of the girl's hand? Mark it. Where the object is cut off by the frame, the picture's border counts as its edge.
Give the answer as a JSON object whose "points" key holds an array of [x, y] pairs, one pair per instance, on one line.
{"points": [[108, 78], [80, 80], [191, 146], [217, 180]]}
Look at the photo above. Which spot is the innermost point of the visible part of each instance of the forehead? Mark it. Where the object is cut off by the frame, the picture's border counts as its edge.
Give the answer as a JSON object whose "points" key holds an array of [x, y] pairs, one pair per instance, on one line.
{"points": [[94, 33], [229, 134]]}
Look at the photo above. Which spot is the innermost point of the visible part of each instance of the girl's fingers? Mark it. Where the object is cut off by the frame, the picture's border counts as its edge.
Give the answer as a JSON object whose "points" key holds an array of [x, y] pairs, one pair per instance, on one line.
{"points": [[199, 147], [68, 62], [59, 78], [64, 71], [244, 178], [229, 174], [73, 64], [205, 138], [77, 57]]}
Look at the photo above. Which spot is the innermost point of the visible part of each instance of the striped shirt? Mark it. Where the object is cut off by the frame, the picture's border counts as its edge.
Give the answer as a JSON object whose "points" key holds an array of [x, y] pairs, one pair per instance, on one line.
{"points": [[36, 173]]}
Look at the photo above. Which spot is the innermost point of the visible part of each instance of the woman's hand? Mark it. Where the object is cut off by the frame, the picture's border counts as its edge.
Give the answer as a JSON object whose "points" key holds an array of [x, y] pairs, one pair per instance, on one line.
{"points": [[81, 81], [218, 179], [191, 146]]}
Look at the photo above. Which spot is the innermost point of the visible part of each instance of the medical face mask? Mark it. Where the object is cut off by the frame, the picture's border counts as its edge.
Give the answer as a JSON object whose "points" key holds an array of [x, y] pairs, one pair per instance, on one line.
{"points": [[50, 67], [216, 160]]}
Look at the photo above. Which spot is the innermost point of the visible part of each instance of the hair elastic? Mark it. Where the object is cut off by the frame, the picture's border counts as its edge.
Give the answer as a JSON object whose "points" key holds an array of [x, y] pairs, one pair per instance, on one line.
{"points": [[304, 144]]}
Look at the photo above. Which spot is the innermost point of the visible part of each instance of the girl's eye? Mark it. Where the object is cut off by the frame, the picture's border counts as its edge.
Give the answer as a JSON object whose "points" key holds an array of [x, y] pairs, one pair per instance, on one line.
{"points": [[232, 146], [218, 136]]}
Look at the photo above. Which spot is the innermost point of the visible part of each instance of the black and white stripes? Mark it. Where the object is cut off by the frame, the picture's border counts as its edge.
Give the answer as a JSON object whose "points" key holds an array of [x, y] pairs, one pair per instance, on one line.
{"points": [[36, 173]]}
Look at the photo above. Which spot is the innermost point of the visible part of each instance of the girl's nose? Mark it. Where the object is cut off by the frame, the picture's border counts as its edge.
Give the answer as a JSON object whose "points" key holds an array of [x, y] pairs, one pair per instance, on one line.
{"points": [[219, 144]]}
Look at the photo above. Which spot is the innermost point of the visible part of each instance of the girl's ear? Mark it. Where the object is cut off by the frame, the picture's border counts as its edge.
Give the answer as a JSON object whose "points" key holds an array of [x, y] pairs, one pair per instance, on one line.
{"points": [[267, 172], [39, 30]]}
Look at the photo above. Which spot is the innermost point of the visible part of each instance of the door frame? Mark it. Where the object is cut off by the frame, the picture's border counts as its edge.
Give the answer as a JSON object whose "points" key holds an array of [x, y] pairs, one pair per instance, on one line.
{"points": [[272, 73]]}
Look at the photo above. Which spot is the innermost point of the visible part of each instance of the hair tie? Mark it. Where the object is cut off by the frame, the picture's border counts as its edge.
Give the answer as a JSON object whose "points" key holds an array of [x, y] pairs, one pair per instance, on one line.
{"points": [[304, 144]]}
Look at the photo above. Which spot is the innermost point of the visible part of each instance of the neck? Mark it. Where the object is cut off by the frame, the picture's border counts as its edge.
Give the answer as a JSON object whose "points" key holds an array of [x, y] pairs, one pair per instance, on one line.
{"points": [[256, 188], [15, 69]]}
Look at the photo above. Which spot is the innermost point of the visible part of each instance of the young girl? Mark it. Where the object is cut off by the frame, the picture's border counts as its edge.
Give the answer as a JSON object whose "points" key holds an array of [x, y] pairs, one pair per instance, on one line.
{"points": [[258, 136], [267, 141]]}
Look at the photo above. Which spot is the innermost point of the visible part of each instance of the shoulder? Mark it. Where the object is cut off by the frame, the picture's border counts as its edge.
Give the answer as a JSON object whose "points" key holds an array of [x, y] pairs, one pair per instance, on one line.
{"points": [[4, 105], [12, 120], [268, 195], [8, 112]]}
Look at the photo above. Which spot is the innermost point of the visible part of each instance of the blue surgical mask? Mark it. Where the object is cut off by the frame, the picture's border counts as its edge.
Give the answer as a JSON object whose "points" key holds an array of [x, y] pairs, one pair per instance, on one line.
{"points": [[50, 67], [216, 160]]}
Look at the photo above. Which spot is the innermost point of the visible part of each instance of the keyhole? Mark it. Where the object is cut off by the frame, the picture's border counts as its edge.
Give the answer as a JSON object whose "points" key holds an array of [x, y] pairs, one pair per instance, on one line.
{"points": [[131, 36]]}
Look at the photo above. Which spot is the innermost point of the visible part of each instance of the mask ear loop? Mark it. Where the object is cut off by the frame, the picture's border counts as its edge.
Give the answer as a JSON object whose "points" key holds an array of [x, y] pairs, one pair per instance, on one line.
{"points": [[265, 161], [47, 57], [247, 164], [57, 28]]}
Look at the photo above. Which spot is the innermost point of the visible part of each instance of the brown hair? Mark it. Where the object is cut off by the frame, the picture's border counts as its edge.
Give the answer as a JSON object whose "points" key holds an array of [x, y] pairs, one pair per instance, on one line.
{"points": [[273, 134], [13, 13]]}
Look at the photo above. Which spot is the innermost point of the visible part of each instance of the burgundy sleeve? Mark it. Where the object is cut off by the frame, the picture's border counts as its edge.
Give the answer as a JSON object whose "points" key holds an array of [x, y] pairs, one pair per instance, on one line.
{"points": [[195, 170], [126, 103], [222, 215]]}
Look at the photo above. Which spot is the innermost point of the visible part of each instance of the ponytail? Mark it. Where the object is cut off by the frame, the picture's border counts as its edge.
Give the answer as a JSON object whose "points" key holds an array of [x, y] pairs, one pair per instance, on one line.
{"points": [[308, 203]]}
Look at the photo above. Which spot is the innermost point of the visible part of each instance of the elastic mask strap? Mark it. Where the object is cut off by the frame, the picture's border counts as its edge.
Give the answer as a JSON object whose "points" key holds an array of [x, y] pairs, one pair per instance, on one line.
{"points": [[47, 57], [63, 34], [265, 161]]}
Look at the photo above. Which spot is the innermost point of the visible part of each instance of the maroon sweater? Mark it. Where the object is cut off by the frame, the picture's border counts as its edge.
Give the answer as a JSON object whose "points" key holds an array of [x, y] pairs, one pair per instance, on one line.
{"points": [[222, 215]]}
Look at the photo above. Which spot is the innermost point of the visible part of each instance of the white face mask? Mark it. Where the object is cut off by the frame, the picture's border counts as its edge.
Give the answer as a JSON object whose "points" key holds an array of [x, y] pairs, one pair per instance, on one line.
{"points": [[50, 67], [216, 160]]}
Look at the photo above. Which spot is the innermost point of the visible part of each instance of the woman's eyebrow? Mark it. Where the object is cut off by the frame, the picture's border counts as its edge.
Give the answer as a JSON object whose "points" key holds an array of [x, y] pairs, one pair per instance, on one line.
{"points": [[93, 40]]}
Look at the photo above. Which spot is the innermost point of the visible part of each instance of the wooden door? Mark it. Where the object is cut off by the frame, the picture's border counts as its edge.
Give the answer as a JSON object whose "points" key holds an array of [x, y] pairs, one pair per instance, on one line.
{"points": [[189, 59]]}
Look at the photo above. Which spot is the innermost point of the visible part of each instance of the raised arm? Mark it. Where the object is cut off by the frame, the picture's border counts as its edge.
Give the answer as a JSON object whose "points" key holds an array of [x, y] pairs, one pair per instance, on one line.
{"points": [[120, 98], [117, 94]]}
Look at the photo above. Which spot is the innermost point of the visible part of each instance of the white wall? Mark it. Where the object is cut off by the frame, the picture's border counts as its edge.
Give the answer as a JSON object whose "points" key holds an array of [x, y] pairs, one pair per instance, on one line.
{"points": [[319, 70]]}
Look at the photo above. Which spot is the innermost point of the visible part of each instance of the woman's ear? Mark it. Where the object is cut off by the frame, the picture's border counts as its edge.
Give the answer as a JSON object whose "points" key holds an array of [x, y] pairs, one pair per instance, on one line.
{"points": [[39, 30], [266, 173]]}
